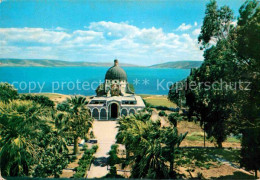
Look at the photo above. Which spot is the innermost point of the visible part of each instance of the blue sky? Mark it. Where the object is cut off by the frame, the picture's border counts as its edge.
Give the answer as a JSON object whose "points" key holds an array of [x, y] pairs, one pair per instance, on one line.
{"points": [[139, 32]]}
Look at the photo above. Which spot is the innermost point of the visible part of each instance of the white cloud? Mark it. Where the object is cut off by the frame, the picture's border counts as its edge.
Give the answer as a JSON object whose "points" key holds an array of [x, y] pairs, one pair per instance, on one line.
{"points": [[184, 27], [196, 32], [60, 29], [100, 41], [39, 35], [195, 24]]}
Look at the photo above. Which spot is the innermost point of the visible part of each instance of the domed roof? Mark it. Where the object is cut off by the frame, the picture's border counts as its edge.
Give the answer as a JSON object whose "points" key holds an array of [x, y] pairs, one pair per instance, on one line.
{"points": [[116, 72]]}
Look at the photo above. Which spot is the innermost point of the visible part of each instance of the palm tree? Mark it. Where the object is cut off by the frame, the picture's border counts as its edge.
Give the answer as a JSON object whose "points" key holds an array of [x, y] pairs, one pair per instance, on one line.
{"points": [[22, 124], [79, 120], [141, 137], [149, 160], [172, 140]]}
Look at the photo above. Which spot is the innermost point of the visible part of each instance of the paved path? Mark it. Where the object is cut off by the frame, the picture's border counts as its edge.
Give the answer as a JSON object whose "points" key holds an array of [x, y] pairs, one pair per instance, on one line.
{"points": [[105, 132]]}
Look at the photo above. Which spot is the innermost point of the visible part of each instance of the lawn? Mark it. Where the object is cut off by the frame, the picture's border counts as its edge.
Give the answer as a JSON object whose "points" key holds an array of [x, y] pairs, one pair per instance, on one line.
{"points": [[195, 136], [158, 100]]}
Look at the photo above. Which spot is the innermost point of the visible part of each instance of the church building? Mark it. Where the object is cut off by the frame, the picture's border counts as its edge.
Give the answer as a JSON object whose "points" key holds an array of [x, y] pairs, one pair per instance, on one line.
{"points": [[115, 97]]}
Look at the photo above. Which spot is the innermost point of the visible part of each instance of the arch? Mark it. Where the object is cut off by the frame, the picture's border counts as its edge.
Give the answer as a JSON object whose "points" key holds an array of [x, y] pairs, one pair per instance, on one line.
{"points": [[124, 112], [95, 113], [132, 111], [103, 113], [114, 110]]}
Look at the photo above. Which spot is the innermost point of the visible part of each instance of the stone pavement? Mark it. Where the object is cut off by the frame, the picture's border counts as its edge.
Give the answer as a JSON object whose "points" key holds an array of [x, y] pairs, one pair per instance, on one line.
{"points": [[105, 132]]}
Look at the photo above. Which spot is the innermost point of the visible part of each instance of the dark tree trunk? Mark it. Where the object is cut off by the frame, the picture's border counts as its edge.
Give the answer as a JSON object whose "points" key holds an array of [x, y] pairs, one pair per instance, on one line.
{"points": [[0, 170], [204, 139], [76, 148], [204, 134], [219, 144], [255, 173], [127, 152], [171, 161]]}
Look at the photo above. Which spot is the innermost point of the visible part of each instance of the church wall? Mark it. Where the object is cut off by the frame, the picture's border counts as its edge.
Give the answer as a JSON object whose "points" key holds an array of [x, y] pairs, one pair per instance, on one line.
{"points": [[102, 112], [121, 83]]}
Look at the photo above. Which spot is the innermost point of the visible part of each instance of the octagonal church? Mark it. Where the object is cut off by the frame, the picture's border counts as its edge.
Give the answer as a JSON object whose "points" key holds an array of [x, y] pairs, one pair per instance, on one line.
{"points": [[115, 97]]}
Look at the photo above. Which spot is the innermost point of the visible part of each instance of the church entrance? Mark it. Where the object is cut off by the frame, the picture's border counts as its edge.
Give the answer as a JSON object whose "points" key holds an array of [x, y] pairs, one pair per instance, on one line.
{"points": [[114, 110]]}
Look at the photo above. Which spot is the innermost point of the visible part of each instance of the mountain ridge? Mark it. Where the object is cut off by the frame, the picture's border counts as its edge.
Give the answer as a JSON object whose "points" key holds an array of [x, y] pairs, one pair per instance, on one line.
{"points": [[178, 64], [12, 62]]}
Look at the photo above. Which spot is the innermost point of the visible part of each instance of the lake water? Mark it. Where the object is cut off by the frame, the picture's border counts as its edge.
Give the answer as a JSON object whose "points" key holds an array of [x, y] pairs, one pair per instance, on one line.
{"points": [[84, 80]]}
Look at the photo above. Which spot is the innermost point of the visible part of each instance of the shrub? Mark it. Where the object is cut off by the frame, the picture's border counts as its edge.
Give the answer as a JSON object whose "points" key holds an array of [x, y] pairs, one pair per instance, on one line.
{"points": [[162, 113], [174, 118], [63, 107], [42, 100], [113, 170], [95, 147], [100, 91], [162, 108], [85, 162], [7, 92], [113, 159], [73, 158]]}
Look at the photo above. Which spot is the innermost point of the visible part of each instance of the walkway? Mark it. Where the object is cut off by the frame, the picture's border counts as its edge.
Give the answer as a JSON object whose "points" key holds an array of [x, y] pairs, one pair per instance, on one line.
{"points": [[105, 132]]}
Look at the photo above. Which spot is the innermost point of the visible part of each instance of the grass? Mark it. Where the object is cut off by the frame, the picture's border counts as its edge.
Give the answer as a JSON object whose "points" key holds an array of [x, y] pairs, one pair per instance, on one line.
{"points": [[233, 140], [158, 100], [195, 136], [205, 157]]}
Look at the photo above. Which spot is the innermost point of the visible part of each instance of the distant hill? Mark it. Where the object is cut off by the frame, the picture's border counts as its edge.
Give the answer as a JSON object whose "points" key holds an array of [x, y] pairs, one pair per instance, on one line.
{"points": [[7, 62], [52, 63], [178, 64]]}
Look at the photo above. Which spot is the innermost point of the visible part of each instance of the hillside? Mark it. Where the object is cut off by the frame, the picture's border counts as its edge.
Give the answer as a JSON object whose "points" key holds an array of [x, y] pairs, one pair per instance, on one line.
{"points": [[52, 63], [179, 64], [7, 62]]}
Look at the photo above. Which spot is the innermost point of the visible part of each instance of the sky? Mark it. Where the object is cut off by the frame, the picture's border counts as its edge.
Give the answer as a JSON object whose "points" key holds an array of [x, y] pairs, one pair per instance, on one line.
{"points": [[141, 32]]}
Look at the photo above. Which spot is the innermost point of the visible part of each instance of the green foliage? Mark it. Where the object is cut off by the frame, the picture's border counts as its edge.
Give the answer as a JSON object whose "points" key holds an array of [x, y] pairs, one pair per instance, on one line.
{"points": [[63, 107], [231, 55], [250, 151], [54, 159], [148, 146], [216, 24], [85, 162], [177, 93], [113, 170], [162, 113], [77, 121], [205, 157], [100, 91], [28, 144], [7, 92], [42, 100], [113, 158], [174, 118]]}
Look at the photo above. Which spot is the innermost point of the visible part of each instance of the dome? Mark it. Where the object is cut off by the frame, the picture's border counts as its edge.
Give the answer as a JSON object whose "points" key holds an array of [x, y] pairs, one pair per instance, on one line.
{"points": [[116, 72]]}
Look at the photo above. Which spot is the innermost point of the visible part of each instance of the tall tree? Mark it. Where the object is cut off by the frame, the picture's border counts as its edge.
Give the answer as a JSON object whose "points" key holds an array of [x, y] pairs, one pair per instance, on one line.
{"points": [[148, 146], [79, 121], [250, 151], [172, 140], [25, 125], [206, 95]]}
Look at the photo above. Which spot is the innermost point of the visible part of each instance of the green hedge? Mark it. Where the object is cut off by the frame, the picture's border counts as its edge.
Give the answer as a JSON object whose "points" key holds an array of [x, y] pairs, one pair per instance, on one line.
{"points": [[162, 113], [113, 158], [85, 162]]}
